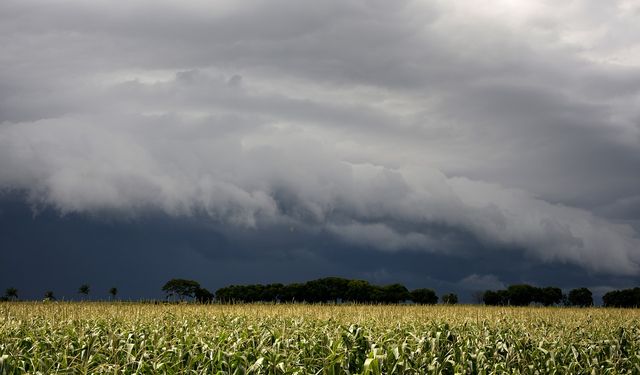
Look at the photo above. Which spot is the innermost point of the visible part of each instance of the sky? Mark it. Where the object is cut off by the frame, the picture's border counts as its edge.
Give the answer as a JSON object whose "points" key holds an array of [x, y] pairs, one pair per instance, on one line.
{"points": [[456, 145]]}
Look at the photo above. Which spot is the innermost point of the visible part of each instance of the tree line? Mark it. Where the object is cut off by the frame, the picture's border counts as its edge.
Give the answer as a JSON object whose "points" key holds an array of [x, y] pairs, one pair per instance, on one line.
{"points": [[329, 289], [335, 289], [622, 298], [524, 295]]}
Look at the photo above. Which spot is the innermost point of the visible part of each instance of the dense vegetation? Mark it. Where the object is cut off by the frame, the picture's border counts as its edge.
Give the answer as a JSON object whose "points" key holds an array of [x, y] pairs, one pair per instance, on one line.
{"points": [[112, 338], [335, 289], [524, 295], [329, 289], [622, 298]]}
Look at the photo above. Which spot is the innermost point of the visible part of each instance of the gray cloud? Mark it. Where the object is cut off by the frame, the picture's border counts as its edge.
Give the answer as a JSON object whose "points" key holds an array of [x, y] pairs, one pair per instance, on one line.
{"points": [[370, 121], [482, 282]]}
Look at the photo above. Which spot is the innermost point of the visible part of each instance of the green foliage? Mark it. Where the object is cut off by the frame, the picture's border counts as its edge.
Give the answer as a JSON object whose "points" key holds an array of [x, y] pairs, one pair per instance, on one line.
{"points": [[450, 299], [622, 298], [580, 297], [11, 294], [359, 291], [424, 296], [523, 295], [203, 296], [127, 338], [84, 289], [181, 287], [395, 293], [550, 296], [496, 298], [328, 289]]}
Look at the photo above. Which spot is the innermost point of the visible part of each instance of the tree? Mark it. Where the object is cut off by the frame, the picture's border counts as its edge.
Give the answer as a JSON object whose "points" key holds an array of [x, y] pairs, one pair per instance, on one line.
{"points": [[550, 296], [84, 289], [48, 296], [424, 296], [358, 291], [450, 299], [114, 292], [203, 296], [580, 297], [522, 294], [11, 294], [622, 298], [395, 293], [496, 298], [290, 292], [328, 289], [181, 287], [226, 294]]}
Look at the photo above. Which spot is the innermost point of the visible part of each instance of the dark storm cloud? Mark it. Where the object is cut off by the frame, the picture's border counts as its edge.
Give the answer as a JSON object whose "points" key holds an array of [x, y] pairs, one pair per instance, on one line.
{"points": [[50, 252], [445, 129]]}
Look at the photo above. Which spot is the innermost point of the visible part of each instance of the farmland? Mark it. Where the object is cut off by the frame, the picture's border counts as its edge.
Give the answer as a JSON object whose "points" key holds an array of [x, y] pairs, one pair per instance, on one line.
{"points": [[95, 337]]}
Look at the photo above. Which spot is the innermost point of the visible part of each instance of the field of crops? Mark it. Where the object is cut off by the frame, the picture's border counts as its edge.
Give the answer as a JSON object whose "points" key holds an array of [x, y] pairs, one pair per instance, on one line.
{"points": [[128, 338]]}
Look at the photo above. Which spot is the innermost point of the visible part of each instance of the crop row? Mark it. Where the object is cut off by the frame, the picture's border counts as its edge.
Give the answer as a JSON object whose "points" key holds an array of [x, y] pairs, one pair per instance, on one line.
{"points": [[314, 339]]}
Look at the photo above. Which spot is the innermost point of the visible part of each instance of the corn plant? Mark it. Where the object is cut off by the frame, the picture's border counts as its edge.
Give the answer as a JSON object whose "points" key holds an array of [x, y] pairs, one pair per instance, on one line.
{"points": [[128, 338]]}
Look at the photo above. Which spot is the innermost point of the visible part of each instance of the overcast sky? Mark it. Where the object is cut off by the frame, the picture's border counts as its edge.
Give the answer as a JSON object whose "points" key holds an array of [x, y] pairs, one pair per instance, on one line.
{"points": [[458, 145]]}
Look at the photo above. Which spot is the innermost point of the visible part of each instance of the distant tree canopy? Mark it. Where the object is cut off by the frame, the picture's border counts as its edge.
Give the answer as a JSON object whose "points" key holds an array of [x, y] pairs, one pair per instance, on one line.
{"points": [[336, 289], [523, 295], [622, 298], [424, 296], [48, 295], [203, 296], [329, 289], [84, 289], [11, 294], [450, 299], [580, 297], [496, 298], [181, 288], [550, 296]]}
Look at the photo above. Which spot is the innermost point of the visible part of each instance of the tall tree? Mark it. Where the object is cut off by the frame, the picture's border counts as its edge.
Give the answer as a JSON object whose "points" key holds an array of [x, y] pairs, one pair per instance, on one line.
{"points": [[202, 295], [450, 299], [622, 298], [424, 296], [181, 288], [522, 294], [11, 294], [580, 297], [114, 292], [496, 298], [48, 295], [550, 296], [84, 289], [358, 291], [395, 293]]}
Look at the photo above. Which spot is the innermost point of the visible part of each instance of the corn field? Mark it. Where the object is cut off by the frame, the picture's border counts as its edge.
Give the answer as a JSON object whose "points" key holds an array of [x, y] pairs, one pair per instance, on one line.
{"points": [[128, 338]]}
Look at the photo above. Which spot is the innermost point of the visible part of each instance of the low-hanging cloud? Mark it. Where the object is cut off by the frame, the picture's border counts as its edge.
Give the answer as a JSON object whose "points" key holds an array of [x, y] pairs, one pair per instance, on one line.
{"points": [[370, 121]]}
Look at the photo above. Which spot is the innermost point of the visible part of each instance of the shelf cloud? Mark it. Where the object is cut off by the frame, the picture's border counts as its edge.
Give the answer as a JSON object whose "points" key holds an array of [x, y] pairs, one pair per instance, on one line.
{"points": [[392, 126]]}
